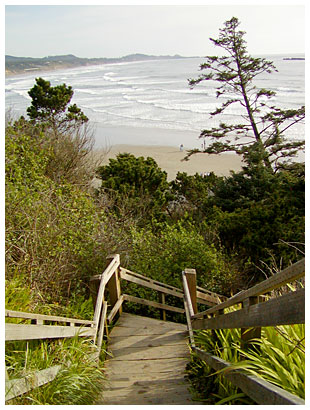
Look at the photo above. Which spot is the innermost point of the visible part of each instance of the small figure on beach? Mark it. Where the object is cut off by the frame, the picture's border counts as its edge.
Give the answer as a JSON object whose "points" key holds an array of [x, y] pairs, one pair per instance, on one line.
{"points": [[181, 147]]}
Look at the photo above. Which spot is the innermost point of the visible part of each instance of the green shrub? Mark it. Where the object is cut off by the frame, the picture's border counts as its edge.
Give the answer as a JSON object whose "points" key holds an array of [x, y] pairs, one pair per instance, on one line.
{"points": [[278, 357], [51, 228], [163, 256]]}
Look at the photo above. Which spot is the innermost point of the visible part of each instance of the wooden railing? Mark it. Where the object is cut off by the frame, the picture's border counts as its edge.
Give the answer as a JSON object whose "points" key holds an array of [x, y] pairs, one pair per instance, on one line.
{"points": [[51, 327], [117, 298], [254, 314], [286, 309]]}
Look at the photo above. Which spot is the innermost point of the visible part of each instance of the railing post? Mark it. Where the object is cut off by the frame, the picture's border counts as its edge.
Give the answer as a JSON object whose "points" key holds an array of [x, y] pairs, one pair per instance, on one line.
{"points": [[161, 296], [213, 331], [190, 275], [247, 334], [93, 290], [114, 285]]}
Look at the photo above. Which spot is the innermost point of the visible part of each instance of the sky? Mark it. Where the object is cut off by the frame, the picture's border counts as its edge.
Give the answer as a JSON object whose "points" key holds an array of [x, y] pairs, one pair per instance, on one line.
{"points": [[103, 30]]}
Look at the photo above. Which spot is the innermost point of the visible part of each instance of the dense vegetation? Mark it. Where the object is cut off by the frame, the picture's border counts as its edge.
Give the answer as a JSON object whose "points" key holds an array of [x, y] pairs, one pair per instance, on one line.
{"points": [[233, 230]]}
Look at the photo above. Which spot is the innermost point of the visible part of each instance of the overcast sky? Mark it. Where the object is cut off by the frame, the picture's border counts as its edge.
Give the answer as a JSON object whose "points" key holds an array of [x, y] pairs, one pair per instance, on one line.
{"points": [[115, 31]]}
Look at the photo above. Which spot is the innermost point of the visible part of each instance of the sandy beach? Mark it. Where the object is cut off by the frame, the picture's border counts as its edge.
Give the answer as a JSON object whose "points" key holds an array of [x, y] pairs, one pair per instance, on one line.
{"points": [[170, 159]]}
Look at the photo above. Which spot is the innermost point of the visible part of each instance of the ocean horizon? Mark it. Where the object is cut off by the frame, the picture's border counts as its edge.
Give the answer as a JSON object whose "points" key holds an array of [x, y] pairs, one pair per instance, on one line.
{"points": [[150, 102]]}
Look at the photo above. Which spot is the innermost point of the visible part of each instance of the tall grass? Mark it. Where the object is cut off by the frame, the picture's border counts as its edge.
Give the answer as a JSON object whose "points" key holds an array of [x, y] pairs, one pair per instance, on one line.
{"points": [[210, 387], [80, 379], [78, 382], [278, 357]]}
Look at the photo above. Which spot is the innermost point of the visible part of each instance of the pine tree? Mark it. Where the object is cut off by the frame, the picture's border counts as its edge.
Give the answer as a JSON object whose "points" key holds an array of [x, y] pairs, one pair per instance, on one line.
{"points": [[49, 106], [261, 138]]}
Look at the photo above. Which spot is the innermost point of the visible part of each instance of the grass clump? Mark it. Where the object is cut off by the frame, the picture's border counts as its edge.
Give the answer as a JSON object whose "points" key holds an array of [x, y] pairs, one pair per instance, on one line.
{"points": [[79, 380], [278, 357]]}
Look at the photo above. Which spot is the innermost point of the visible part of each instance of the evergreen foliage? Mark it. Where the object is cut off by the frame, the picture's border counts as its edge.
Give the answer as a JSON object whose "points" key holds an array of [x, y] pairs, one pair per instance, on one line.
{"points": [[50, 106], [264, 130], [138, 181], [59, 230]]}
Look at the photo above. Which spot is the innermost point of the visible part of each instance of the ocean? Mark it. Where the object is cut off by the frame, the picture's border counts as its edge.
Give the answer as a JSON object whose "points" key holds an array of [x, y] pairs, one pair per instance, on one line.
{"points": [[151, 103]]}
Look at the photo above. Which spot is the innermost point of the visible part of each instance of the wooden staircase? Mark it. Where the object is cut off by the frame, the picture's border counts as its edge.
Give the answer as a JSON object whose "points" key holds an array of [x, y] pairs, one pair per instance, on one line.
{"points": [[148, 357], [148, 363]]}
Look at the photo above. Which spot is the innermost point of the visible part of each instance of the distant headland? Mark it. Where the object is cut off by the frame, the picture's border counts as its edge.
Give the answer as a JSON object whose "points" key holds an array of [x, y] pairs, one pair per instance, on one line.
{"points": [[294, 58], [18, 65]]}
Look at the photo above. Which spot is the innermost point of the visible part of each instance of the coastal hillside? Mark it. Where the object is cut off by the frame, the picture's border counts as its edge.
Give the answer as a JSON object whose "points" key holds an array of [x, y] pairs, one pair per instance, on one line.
{"points": [[16, 65], [172, 240]]}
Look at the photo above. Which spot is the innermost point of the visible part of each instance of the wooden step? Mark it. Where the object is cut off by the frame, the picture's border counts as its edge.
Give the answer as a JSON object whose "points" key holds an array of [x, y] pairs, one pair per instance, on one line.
{"points": [[148, 363]]}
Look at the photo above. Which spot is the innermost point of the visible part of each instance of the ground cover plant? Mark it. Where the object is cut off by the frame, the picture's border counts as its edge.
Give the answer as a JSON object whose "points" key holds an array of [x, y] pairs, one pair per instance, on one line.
{"points": [[59, 229], [80, 378], [278, 357]]}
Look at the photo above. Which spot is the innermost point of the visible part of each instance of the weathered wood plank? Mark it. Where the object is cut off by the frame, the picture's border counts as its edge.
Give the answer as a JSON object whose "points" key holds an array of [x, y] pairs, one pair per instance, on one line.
{"points": [[150, 285], [30, 332], [116, 308], [294, 272], [146, 278], [141, 395], [215, 296], [17, 387], [284, 310], [114, 286], [149, 353], [187, 296], [124, 378], [146, 302], [162, 300], [145, 400], [146, 366], [190, 275], [37, 316], [258, 389], [253, 333], [160, 392], [129, 320], [167, 339], [189, 324], [101, 327], [206, 299], [141, 331], [105, 277], [125, 382]]}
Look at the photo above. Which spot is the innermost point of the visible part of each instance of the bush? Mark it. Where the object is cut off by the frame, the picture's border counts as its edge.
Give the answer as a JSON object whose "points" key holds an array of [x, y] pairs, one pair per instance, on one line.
{"points": [[165, 254], [139, 182], [278, 357], [51, 228]]}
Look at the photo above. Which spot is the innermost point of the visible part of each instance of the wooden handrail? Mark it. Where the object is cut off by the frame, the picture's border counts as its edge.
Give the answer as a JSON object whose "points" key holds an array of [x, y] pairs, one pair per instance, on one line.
{"points": [[189, 311], [17, 387], [286, 309], [150, 284], [255, 387], [105, 277], [40, 317], [130, 298], [89, 328], [287, 275]]}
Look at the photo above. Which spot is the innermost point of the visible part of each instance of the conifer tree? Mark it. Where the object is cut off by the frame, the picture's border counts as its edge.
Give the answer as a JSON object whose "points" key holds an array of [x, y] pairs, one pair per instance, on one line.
{"points": [[50, 107], [262, 137]]}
